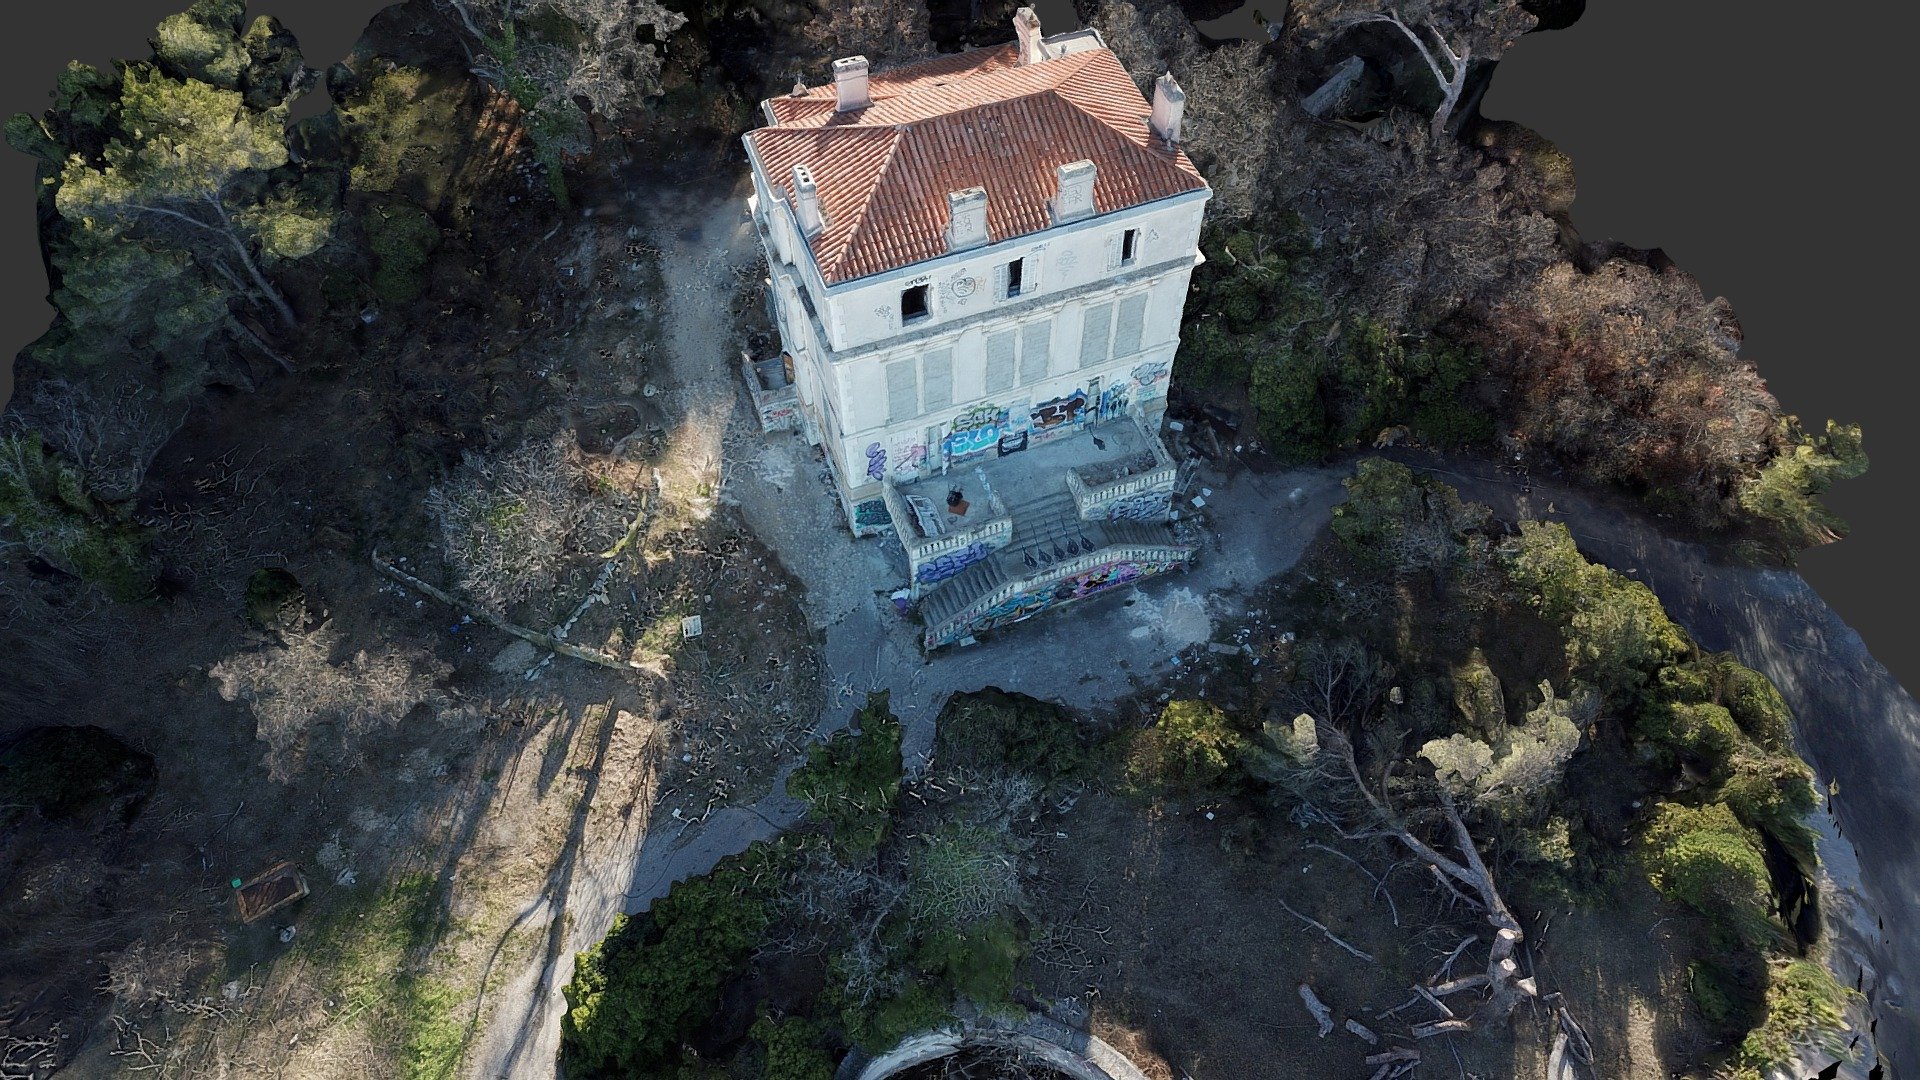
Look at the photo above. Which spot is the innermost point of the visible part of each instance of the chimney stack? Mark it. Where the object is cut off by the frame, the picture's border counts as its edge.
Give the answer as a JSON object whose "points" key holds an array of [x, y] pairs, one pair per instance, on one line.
{"points": [[1026, 28], [1169, 105], [806, 202], [1074, 197], [850, 83], [966, 218]]}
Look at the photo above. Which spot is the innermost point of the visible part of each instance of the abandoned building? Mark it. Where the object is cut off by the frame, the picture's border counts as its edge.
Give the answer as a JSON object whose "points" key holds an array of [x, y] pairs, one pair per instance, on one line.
{"points": [[978, 267]]}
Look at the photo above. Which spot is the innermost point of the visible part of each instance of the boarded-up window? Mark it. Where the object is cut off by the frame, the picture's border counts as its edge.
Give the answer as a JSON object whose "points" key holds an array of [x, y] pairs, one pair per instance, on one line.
{"points": [[1095, 333], [903, 399], [1036, 349], [1126, 330], [938, 392], [999, 362]]}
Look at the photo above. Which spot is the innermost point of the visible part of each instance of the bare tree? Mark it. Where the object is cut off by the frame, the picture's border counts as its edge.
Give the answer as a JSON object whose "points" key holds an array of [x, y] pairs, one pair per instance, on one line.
{"points": [[110, 433], [295, 688]]}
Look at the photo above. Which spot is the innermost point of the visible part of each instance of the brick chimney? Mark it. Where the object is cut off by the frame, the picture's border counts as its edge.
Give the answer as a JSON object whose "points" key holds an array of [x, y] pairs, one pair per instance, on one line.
{"points": [[850, 83], [1169, 105], [1073, 199], [806, 202], [1026, 28], [966, 218]]}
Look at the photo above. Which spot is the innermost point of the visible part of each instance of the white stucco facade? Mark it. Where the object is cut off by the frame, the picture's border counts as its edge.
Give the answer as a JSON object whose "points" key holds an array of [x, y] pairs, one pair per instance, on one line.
{"points": [[986, 349]]}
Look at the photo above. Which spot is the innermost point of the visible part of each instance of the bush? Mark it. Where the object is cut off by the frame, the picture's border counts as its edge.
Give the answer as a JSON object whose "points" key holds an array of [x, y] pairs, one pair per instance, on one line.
{"points": [[1702, 734], [916, 1008], [1189, 751], [976, 961], [45, 500], [1705, 858], [638, 994], [850, 782], [1724, 998], [793, 1049], [996, 731], [1617, 634], [401, 238], [1804, 1006], [1785, 497], [1773, 793]]}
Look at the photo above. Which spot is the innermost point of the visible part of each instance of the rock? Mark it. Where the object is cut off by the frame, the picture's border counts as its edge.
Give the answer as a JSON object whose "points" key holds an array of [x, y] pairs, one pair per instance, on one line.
{"points": [[515, 658], [1332, 94]]}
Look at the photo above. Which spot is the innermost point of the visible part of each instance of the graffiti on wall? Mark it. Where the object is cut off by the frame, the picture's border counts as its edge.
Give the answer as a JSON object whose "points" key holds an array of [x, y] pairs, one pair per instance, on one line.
{"points": [[1150, 380], [906, 457], [942, 567], [871, 514], [1113, 401], [876, 461], [1059, 413], [1027, 604], [1140, 506], [977, 429]]}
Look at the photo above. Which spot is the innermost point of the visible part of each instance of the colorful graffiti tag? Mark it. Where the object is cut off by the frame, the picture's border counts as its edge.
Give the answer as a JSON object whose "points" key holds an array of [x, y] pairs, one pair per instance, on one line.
{"points": [[876, 461], [1140, 506], [942, 567], [1150, 380], [1059, 412], [1113, 401], [1027, 604], [976, 430], [907, 456], [871, 514]]}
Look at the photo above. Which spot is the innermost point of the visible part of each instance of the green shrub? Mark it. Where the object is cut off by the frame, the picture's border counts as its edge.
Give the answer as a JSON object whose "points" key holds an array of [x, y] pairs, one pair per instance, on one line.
{"points": [[61, 771], [1784, 498], [1617, 634], [992, 730], [850, 782], [1706, 859], [638, 994], [976, 961], [45, 500], [916, 1008], [1702, 734], [1189, 751], [793, 1047], [1805, 1006], [401, 238], [1773, 793], [1724, 998], [272, 595]]}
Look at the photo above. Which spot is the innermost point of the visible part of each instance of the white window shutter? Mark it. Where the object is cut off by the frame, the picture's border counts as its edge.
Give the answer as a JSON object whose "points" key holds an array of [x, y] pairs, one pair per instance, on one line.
{"points": [[938, 373], [1036, 349], [903, 396], [1000, 362]]}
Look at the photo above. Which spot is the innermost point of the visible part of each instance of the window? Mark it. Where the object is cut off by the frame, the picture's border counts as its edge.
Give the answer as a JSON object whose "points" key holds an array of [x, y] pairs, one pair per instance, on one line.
{"points": [[903, 397], [913, 304], [1127, 328], [1000, 362], [1129, 245], [1036, 343], [1013, 277], [1096, 335], [937, 377]]}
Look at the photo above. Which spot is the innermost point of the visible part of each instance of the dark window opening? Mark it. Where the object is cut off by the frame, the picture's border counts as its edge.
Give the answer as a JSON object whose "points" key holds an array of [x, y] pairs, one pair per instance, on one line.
{"points": [[1129, 245], [913, 304], [1013, 276]]}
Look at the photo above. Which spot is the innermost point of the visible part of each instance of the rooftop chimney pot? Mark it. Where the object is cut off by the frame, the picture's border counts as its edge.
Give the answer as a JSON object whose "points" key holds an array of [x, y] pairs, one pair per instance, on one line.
{"points": [[966, 218], [850, 83], [806, 202], [1073, 198], [1026, 28], [1169, 106]]}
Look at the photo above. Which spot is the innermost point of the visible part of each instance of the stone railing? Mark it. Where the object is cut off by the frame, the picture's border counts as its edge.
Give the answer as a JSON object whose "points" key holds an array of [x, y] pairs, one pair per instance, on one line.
{"points": [[1094, 502], [777, 408], [994, 530], [955, 626]]}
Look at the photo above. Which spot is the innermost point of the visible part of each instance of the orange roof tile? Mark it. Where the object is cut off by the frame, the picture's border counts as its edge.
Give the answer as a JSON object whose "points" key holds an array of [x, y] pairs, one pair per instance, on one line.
{"points": [[973, 119]]}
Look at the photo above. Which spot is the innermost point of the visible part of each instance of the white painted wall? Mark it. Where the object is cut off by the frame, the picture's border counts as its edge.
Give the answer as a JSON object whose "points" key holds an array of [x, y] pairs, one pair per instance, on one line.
{"points": [[845, 347]]}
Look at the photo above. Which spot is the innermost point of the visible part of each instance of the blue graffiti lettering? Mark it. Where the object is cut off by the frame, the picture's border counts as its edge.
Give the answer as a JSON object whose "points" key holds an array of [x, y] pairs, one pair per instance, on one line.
{"points": [[942, 567]]}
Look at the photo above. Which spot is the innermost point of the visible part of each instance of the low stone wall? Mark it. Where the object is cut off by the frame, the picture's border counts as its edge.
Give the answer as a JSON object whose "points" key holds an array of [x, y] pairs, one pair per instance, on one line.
{"points": [[1087, 575], [1074, 1053]]}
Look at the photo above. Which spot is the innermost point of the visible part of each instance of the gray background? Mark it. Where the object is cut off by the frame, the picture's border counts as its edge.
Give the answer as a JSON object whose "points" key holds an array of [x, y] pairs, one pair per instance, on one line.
{"points": [[1760, 151]]}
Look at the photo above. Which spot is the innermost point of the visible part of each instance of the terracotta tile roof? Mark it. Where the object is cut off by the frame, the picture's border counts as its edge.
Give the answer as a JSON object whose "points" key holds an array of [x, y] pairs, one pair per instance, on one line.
{"points": [[972, 119]]}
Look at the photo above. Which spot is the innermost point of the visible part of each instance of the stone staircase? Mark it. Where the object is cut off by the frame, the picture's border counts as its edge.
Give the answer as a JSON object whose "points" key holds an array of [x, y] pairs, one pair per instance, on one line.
{"points": [[1047, 532]]}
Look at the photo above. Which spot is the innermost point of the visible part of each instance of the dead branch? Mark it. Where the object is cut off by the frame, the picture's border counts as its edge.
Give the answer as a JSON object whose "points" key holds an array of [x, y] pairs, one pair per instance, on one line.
{"points": [[1321, 1014], [1322, 927]]}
